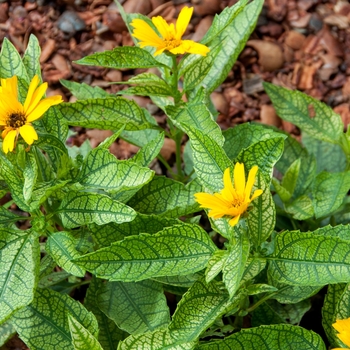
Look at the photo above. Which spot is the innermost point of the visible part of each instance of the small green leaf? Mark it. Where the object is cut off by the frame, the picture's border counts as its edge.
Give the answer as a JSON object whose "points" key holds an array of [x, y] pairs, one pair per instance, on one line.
{"points": [[19, 260], [30, 174], [281, 191], [121, 57], [80, 208], [215, 264], [329, 192], [260, 288], [82, 339], [309, 114], [301, 208], [253, 267], [31, 57], [290, 177], [6, 332], [84, 91], [44, 323], [7, 218], [136, 307], [178, 250]]}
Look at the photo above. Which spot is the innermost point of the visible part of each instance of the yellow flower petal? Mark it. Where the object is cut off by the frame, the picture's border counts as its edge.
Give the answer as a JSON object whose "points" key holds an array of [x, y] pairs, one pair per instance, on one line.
{"points": [[250, 182], [183, 21], [43, 106], [32, 87], [37, 96], [256, 194], [234, 221], [239, 178], [144, 32], [163, 28], [8, 143], [28, 133], [9, 86]]}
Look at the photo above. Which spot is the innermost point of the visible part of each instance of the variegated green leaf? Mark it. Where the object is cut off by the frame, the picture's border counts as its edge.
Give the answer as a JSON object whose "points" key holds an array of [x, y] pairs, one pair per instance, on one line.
{"points": [[31, 57]]}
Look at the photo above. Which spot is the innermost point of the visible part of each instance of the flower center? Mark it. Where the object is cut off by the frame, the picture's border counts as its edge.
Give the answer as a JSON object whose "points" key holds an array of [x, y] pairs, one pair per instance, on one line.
{"points": [[16, 120], [171, 44], [236, 202]]}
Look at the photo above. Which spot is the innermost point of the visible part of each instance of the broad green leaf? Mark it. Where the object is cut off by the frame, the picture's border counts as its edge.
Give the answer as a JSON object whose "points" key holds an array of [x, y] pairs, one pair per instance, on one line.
{"points": [[198, 309], [331, 300], [305, 259], [30, 174], [53, 279], [178, 250], [329, 192], [45, 170], [329, 157], [80, 208], [82, 339], [340, 231], [210, 160], [7, 218], [109, 334], [215, 264], [253, 267], [103, 113], [179, 281], [105, 235], [233, 269], [11, 63], [261, 218], [244, 135], [148, 152], [136, 307], [62, 247], [264, 154], [31, 57], [301, 208], [164, 196], [84, 91], [44, 323], [231, 42], [157, 340], [310, 115], [121, 57], [6, 332], [274, 337], [19, 261]]}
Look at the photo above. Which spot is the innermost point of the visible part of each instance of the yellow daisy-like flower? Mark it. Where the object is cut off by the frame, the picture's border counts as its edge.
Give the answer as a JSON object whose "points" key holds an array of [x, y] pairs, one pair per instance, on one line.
{"points": [[232, 200], [170, 39], [343, 327], [15, 118]]}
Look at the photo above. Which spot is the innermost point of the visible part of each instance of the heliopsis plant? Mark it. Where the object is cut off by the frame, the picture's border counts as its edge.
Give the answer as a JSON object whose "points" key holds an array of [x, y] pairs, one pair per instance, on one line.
{"points": [[168, 37], [234, 199], [16, 118], [343, 329]]}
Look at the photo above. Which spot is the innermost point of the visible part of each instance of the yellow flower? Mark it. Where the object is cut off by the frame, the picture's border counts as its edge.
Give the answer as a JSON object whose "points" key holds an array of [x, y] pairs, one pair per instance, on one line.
{"points": [[15, 118], [170, 35], [232, 200], [343, 327]]}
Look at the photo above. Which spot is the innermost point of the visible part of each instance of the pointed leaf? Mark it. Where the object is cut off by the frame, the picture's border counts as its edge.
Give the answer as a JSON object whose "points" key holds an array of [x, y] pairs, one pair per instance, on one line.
{"points": [[215, 264], [31, 57], [30, 175], [84, 91]]}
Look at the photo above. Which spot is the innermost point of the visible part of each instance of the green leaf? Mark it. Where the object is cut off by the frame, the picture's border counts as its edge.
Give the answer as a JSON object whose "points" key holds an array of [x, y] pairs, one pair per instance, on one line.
{"points": [[30, 175], [275, 337], [305, 259], [53, 279], [197, 310], [82, 339], [264, 154], [6, 332], [260, 288], [301, 208], [19, 260], [329, 157], [109, 334], [340, 231], [136, 307], [310, 115], [261, 218], [244, 135], [329, 192], [330, 305], [80, 208], [7, 217], [108, 114], [178, 250], [290, 177], [164, 196], [215, 264], [84, 91], [31, 57], [284, 195], [121, 57], [254, 266], [157, 340], [62, 247], [44, 323], [11, 63]]}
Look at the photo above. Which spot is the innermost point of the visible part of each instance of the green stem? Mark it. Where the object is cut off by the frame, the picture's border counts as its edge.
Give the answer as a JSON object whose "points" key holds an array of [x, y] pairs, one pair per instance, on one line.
{"points": [[175, 80], [178, 138]]}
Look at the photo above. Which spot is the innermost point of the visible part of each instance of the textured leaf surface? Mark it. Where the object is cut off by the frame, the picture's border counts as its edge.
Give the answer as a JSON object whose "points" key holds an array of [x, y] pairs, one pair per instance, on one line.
{"points": [[274, 337], [309, 114], [301, 208], [121, 57], [84, 91], [164, 196], [7, 217], [197, 310], [136, 307], [31, 57], [43, 325], [109, 334], [215, 264], [6, 332], [253, 267], [30, 175], [80, 208], [19, 260], [178, 250], [329, 192], [82, 339], [303, 259]]}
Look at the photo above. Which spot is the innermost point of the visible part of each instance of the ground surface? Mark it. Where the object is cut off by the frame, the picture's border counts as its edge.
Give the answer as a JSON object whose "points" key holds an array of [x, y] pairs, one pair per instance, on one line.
{"points": [[303, 44]]}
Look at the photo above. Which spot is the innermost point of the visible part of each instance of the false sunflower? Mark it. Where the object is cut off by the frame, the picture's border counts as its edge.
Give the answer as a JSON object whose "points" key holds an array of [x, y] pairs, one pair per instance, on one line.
{"points": [[15, 118], [343, 327], [233, 200], [170, 35]]}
